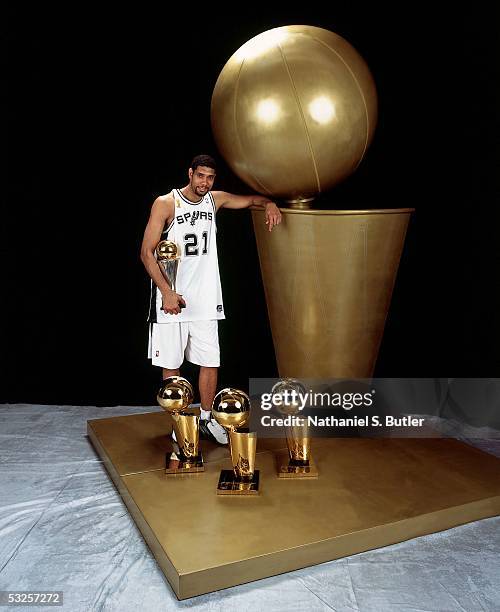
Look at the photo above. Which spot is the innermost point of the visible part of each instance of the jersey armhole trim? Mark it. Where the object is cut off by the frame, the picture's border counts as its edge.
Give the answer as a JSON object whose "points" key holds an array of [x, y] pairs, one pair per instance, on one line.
{"points": [[213, 201], [165, 231]]}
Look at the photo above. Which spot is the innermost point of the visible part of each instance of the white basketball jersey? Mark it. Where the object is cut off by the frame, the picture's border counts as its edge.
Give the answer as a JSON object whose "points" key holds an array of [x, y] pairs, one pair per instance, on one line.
{"points": [[194, 230]]}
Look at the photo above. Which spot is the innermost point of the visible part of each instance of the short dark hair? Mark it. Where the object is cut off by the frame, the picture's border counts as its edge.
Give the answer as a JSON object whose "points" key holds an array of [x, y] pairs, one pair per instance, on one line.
{"points": [[203, 160]]}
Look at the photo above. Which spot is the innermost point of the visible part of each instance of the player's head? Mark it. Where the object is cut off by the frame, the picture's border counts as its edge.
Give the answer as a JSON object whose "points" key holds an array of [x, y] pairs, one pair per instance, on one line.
{"points": [[202, 174]]}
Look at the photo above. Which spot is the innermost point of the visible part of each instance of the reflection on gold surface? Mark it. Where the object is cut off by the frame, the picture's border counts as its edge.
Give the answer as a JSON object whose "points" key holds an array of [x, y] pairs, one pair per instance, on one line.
{"points": [[167, 249], [328, 278], [322, 109], [298, 439], [231, 409], [294, 111], [175, 396], [167, 256], [186, 427], [243, 448], [299, 442], [268, 111]]}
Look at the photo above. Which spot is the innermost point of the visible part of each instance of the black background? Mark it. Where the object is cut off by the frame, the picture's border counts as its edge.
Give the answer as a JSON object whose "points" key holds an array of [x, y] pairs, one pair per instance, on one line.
{"points": [[105, 111]]}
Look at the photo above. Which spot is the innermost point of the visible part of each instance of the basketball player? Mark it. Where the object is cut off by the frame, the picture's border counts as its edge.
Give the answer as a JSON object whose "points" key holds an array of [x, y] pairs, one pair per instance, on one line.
{"points": [[184, 324]]}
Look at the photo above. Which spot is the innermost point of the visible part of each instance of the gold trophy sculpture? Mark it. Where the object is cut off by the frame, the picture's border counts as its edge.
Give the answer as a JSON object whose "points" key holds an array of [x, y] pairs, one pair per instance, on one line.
{"points": [[175, 396], [167, 256], [299, 462], [293, 113], [231, 409]]}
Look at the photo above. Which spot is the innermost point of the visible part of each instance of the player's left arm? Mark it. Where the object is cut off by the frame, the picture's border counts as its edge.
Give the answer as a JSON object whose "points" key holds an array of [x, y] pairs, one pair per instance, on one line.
{"points": [[223, 199]]}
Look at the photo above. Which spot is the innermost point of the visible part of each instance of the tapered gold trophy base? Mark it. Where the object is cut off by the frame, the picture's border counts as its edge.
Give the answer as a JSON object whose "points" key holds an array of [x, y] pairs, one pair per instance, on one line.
{"points": [[328, 277], [229, 484], [292, 468], [185, 458]]}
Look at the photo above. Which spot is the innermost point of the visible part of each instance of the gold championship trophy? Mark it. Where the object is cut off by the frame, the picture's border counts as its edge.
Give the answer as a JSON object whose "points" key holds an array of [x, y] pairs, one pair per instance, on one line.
{"points": [[299, 462], [293, 113], [167, 256], [175, 396], [231, 409]]}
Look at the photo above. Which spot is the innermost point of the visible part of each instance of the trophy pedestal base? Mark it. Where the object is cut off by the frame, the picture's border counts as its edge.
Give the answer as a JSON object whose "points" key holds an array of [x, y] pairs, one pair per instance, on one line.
{"points": [[230, 485], [174, 466], [286, 468], [370, 493]]}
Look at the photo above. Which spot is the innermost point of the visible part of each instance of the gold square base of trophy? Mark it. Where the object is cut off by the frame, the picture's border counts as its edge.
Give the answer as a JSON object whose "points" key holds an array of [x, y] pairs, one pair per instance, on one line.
{"points": [[174, 467], [229, 485], [286, 469], [370, 493]]}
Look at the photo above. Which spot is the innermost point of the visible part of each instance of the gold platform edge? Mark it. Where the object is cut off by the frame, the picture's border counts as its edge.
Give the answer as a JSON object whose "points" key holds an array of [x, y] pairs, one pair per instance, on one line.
{"points": [[207, 577], [158, 551], [315, 553]]}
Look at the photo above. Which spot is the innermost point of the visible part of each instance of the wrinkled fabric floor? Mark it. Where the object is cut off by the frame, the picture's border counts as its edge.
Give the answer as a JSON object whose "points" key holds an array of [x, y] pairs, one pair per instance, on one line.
{"points": [[64, 527]]}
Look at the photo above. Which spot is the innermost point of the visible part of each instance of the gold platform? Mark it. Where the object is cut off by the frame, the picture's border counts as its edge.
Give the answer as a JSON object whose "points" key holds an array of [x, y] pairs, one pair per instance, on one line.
{"points": [[369, 493]]}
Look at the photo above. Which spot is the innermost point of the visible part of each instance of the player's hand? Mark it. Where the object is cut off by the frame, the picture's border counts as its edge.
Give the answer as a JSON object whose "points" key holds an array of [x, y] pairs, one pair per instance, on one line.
{"points": [[171, 302], [273, 215]]}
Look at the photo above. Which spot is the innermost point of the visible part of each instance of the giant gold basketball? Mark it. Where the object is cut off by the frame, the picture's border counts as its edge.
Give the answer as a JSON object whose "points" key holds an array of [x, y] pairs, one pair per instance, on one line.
{"points": [[294, 111]]}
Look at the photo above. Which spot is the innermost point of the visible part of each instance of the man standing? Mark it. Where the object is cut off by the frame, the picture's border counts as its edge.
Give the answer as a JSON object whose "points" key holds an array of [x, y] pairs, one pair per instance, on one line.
{"points": [[184, 324]]}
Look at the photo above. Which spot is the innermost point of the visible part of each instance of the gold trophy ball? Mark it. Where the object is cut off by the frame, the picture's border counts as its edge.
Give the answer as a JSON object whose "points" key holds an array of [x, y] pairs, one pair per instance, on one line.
{"points": [[231, 408], [290, 404], [175, 394], [166, 249], [293, 112]]}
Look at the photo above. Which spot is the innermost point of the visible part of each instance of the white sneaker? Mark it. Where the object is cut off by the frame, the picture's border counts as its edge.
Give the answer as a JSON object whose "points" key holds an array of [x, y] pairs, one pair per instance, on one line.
{"points": [[211, 430], [205, 415]]}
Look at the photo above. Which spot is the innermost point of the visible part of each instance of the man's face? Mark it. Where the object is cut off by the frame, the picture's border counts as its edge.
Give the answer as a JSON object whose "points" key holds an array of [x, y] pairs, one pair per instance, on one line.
{"points": [[201, 179]]}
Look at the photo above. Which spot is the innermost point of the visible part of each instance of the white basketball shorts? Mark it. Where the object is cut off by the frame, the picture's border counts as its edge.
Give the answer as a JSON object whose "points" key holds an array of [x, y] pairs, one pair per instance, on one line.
{"points": [[197, 341]]}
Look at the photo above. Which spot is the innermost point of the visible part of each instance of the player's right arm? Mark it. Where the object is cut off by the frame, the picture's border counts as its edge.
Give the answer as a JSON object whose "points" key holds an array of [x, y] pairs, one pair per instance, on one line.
{"points": [[162, 212]]}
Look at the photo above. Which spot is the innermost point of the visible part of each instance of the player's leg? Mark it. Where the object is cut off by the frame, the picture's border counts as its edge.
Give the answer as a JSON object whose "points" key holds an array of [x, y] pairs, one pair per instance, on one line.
{"points": [[166, 348], [207, 384], [203, 349]]}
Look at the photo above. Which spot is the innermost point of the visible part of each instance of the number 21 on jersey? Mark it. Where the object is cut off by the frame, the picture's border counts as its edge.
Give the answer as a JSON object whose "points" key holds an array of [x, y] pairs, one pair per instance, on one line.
{"points": [[191, 246]]}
